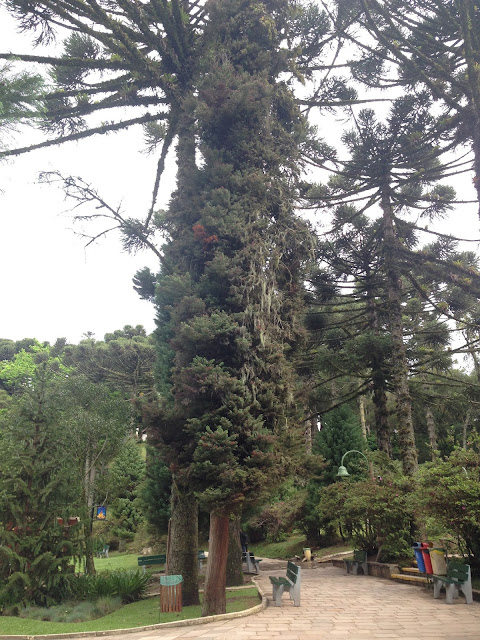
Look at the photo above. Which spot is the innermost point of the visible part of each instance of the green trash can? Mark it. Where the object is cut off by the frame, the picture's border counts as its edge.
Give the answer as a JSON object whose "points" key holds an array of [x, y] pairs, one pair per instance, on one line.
{"points": [[439, 565]]}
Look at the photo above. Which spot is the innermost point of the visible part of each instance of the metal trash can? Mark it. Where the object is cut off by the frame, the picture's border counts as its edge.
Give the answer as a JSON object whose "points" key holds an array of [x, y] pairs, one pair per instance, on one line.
{"points": [[170, 593], [426, 557], [439, 565], [417, 549], [307, 553]]}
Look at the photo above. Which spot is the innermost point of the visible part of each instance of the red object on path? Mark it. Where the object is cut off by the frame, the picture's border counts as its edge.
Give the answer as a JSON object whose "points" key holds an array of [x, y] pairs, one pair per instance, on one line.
{"points": [[426, 557]]}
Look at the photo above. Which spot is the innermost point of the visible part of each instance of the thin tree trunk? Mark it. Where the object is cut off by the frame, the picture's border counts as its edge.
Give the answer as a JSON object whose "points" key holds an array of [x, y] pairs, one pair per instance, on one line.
{"points": [[183, 551], [89, 485], [214, 599], [363, 420], [308, 437], [234, 559], [378, 378], [432, 431], [466, 424], [406, 435]]}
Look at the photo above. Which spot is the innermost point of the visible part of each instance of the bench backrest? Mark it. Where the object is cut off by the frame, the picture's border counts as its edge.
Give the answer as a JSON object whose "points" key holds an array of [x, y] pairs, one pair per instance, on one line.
{"points": [[458, 571], [359, 556], [292, 572], [145, 560]]}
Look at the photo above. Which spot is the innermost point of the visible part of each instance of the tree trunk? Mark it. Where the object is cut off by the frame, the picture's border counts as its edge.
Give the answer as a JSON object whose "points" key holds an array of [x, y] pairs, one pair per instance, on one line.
{"points": [[363, 420], [183, 551], [234, 559], [378, 377], [432, 431], [466, 424], [89, 484], [308, 435], [406, 435], [214, 599]]}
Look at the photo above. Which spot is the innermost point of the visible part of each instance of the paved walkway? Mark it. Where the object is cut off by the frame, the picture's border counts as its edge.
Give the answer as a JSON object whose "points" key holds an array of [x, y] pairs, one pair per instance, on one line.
{"points": [[336, 605]]}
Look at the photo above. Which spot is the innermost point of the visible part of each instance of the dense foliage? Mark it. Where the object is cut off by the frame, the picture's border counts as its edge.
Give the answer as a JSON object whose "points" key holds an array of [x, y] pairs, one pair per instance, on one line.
{"points": [[265, 329]]}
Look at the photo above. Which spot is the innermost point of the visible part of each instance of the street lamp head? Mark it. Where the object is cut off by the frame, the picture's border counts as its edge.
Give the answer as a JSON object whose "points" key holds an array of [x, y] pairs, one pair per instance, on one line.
{"points": [[342, 472]]}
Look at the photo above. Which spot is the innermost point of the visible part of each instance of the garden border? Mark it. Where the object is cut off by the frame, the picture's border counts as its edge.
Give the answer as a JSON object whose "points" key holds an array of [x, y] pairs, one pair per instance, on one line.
{"points": [[151, 627]]}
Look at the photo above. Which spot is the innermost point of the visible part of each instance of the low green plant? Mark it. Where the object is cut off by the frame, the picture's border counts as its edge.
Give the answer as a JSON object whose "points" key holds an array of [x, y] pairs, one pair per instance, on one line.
{"points": [[129, 586], [138, 614], [374, 514], [73, 612]]}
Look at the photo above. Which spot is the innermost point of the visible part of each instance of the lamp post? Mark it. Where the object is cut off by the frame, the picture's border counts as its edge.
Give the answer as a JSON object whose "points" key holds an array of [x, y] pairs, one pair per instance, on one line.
{"points": [[342, 470]]}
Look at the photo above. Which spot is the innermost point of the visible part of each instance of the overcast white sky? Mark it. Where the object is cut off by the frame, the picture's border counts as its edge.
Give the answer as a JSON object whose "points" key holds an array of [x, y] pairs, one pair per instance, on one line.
{"points": [[50, 285]]}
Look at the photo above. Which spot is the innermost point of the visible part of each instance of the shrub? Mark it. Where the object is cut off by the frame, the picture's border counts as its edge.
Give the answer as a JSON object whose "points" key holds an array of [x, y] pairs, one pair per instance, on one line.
{"points": [[375, 515], [73, 612], [449, 492], [129, 586]]}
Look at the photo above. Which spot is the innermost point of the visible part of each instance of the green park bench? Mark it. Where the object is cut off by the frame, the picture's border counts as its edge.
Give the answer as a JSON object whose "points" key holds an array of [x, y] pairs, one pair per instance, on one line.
{"points": [[290, 584], [103, 552], [458, 578], [149, 561], [359, 561]]}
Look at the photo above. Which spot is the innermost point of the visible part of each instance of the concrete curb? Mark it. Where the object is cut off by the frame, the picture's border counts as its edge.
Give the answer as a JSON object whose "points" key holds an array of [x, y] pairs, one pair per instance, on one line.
{"points": [[162, 625]]}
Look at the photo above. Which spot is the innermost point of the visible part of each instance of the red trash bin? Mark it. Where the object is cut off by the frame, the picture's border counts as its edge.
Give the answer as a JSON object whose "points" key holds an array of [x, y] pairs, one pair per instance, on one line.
{"points": [[426, 557]]}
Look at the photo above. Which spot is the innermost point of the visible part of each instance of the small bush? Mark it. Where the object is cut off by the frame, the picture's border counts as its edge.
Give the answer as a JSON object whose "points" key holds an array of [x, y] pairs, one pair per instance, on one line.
{"points": [[375, 515], [104, 606], [73, 612], [129, 586], [449, 492]]}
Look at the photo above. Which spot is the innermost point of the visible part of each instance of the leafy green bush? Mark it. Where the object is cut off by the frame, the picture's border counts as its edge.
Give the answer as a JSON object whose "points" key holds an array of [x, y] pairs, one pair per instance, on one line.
{"points": [[129, 586], [449, 491], [375, 515]]}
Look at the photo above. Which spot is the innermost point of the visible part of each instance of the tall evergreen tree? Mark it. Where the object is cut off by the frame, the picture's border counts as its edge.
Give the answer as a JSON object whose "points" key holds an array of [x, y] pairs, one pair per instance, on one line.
{"points": [[34, 489], [215, 79]]}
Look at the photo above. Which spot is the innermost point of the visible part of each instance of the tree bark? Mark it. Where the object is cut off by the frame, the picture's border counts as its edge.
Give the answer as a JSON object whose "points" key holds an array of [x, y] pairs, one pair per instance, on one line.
{"points": [[308, 435], [234, 559], [378, 379], [466, 424], [406, 435], [363, 420], [432, 431], [214, 598], [89, 484], [183, 551]]}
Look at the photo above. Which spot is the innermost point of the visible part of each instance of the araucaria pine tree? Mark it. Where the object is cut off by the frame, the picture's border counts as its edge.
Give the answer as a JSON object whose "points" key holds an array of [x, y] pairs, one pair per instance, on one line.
{"points": [[35, 550], [230, 290]]}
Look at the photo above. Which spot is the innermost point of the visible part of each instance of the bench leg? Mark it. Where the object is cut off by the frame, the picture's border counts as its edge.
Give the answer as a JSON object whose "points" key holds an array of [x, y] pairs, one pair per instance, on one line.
{"points": [[277, 594], [467, 592], [452, 592], [295, 596], [437, 587]]}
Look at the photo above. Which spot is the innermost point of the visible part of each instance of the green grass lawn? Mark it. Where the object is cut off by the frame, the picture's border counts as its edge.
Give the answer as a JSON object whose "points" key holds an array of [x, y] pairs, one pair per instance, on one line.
{"points": [[116, 562], [294, 545], [137, 614]]}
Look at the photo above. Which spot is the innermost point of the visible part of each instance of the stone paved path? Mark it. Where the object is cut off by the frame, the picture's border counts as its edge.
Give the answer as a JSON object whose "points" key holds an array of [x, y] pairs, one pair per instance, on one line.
{"points": [[335, 605]]}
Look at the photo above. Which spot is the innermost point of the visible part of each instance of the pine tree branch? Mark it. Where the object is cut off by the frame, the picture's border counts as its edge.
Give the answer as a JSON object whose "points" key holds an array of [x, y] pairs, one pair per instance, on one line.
{"points": [[105, 128]]}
